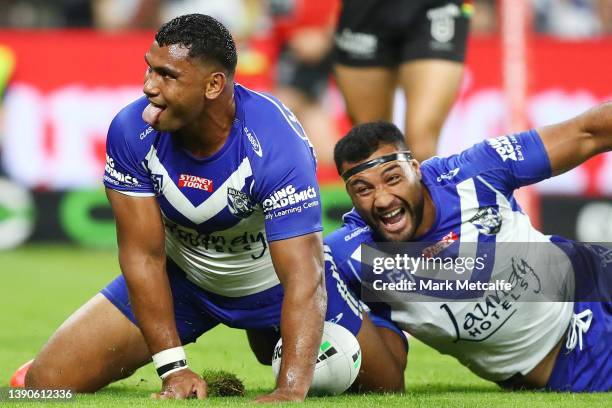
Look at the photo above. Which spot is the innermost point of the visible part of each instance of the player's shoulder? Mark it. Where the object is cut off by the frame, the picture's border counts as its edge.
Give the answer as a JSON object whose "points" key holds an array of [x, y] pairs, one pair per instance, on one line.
{"points": [[269, 122], [344, 241], [128, 129], [274, 139]]}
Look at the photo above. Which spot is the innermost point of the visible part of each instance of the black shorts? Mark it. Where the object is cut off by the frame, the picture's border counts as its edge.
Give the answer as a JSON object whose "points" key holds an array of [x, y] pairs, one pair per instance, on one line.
{"points": [[390, 32], [312, 80]]}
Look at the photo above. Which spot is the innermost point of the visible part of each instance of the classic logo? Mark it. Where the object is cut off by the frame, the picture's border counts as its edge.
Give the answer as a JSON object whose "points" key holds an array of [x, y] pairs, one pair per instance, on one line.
{"points": [[507, 148], [287, 196], [487, 220], [239, 203], [443, 22], [145, 132], [254, 141], [200, 183], [448, 176], [356, 233]]}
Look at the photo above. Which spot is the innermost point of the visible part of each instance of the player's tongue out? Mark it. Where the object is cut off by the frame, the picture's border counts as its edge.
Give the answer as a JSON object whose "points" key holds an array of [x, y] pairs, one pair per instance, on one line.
{"points": [[151, 114]]}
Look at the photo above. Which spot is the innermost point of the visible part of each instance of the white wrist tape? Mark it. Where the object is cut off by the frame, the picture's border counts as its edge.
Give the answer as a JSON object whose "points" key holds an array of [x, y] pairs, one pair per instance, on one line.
{"points": [[170, 361]]}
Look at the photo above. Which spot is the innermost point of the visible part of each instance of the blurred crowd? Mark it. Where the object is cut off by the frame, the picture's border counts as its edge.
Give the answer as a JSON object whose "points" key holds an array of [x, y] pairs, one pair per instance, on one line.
{"points": [[565, 18]]}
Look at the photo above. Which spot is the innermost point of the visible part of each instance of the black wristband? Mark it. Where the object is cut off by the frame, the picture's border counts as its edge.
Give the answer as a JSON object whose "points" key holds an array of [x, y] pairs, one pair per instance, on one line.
{"points": [[171, 366]]}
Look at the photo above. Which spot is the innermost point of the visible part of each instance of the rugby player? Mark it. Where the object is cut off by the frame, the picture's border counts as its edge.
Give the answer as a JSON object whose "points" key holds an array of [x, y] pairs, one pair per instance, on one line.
{"points": [[214, 192], [560, 342], [416, 45]]}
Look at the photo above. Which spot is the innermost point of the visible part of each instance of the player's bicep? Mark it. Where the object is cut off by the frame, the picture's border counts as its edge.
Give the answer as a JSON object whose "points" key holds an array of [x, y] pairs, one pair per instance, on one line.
{"points": [[567, 144], [299, 260], [140, 229]]}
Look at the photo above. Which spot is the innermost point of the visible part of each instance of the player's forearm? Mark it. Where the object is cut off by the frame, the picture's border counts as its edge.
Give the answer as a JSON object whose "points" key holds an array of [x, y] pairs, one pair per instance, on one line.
{"points": [[301, 327], [597, 122], [151, 300]]}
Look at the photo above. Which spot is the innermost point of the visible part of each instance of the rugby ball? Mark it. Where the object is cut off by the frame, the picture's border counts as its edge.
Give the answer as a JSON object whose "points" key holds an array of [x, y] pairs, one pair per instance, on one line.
{"points": [[338, 362]]}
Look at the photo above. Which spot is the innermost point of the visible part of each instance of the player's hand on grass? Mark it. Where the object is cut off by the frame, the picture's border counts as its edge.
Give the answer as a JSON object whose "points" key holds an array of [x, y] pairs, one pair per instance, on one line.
{"points": [[280, 396], [181, 385]]}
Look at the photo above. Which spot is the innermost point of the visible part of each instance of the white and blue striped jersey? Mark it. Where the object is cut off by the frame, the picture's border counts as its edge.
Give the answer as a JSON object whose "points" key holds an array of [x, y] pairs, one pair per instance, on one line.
{"points": [[494, 336], [220, 212]]}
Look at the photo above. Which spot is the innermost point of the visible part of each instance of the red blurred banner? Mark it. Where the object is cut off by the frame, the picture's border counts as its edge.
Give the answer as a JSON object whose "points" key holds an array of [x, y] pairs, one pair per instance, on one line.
{"points": [[67, 86]]}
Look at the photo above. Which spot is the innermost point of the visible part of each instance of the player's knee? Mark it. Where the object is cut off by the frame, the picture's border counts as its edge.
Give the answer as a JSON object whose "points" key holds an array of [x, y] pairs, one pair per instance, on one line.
{"points": [[44, 376]]}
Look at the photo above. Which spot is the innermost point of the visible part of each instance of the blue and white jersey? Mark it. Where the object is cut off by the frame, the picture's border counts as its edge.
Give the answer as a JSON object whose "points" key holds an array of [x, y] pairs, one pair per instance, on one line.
{"points": [[495, 336], [220, 212]]}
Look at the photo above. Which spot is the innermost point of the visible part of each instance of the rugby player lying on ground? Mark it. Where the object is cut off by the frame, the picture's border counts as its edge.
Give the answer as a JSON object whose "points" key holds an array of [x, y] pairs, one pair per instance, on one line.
{"points": [[196, 173], [468, 198]]}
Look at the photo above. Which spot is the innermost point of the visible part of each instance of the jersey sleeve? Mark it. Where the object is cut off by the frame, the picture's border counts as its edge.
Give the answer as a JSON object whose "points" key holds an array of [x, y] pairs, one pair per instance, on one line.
{"points": [[290, 198], [123, 172], [287, 185], [510, 161]]}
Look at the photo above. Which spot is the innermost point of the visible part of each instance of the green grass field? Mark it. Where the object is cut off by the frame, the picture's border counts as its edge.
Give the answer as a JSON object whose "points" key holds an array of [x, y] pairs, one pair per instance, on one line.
{"points": [[41, 286]]}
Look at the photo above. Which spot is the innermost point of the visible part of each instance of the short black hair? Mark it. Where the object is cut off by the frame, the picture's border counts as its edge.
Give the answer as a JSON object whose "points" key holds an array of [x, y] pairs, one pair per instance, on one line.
{"points": [[363, 140], [205, 37]]}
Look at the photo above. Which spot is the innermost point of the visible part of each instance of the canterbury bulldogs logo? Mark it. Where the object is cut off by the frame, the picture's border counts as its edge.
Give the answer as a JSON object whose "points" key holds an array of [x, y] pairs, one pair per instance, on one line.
{"points": [[158, 182], [443, 22], [254, 141], [239, 203], [487, 220]]}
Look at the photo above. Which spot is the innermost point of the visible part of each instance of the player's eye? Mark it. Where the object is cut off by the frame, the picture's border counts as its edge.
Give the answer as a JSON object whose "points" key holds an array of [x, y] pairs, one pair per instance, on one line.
{"points": [[393, 178], [363, 191]]}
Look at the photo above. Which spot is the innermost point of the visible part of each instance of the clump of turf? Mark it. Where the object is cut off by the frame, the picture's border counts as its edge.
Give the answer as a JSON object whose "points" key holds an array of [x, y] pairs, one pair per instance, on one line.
{"points": [[223, 384]]}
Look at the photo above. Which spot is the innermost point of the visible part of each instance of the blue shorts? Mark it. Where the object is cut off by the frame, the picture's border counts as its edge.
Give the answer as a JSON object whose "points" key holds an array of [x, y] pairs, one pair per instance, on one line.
{"points": [[590, 368], [196, 311], [380, 315]]}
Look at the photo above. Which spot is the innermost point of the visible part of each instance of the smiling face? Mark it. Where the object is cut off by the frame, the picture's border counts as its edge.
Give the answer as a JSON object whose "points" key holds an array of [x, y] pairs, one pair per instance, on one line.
{"points": [[177, 87], [389, 196]]}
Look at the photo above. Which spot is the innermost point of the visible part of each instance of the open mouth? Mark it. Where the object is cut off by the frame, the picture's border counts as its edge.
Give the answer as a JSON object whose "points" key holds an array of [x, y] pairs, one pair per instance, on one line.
{"points": [[394, 220], [152, 112]]}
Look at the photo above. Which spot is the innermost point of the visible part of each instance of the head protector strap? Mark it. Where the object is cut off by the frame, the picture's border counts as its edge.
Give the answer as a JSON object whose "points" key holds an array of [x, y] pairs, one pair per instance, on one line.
{"points": [[399, 156]]}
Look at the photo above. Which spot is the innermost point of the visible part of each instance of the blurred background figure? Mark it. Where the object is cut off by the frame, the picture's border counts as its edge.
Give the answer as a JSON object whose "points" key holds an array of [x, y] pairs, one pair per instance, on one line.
{"points": [[126, 14], [418, 45], [573, 18], [304, 30]]}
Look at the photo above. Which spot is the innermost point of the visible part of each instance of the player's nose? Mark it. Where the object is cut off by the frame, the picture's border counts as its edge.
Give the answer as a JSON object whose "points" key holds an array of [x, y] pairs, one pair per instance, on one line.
{"points": [[383, 200], [150, 87]]}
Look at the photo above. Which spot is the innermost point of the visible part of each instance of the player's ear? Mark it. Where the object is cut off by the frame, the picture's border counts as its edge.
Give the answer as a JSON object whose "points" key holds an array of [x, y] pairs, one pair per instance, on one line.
{"points": [[416, 166], [215, 85]]}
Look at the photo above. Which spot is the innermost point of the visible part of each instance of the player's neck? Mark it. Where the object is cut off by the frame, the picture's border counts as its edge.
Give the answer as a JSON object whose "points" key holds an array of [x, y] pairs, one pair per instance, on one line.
{"points": [[208, 134], [429, 213]]}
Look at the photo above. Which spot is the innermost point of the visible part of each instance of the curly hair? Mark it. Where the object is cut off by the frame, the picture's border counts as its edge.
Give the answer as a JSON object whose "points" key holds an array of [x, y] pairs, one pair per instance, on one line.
{"points": [[363, 140], [205, 37]]}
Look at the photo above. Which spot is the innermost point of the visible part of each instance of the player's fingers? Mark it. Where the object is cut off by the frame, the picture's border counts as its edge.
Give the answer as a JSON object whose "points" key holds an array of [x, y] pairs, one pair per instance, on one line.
{"points": [[165, 395], [159, 395], [201, 390]]}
